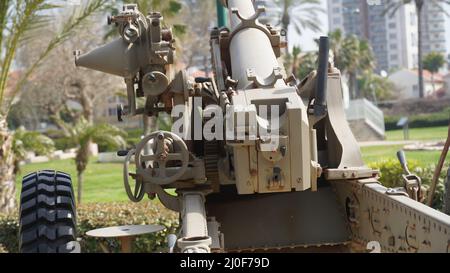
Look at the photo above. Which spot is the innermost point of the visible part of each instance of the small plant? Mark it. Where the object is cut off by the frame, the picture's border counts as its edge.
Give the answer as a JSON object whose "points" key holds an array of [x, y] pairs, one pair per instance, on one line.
{"points": [[391, 177]]}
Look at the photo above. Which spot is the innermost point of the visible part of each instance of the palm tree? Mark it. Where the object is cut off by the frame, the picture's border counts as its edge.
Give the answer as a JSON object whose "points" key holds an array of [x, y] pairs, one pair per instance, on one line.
{"points": [[302, 14], [352, 56], [375, 87], [359, 57], [84, 134], [433, 62], [336, 39], [295, 59], [303, 62], [30, 141], [19, 144], [18, 19], [394, 5]]}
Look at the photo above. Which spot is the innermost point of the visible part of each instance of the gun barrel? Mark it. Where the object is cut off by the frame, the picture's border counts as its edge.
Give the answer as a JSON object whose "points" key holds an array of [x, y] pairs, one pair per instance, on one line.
{"points": [[322, 76], [250, 48]]}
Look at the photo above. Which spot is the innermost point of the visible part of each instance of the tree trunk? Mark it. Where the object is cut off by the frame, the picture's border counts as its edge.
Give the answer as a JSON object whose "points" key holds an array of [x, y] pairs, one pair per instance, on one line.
{"points": [[149, 127], [81, 161], [295, 65], [351, 85], [286, 49], [7, 176], [88, 108], [419, 5], [80, 186], [432, 83], [149, 124], [285, 21]]}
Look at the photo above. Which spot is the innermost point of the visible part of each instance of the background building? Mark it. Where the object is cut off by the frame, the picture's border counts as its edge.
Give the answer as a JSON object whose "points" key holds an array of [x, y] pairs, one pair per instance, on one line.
{"points": [[434, 36], [106, 112], [407, 83], [393, 36]]}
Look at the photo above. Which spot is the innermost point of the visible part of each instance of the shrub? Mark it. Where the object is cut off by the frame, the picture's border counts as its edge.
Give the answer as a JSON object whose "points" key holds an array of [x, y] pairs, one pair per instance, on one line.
{"points": [[391, 177], [133, 141], [63, 143], [420, 120], [98, 215]]}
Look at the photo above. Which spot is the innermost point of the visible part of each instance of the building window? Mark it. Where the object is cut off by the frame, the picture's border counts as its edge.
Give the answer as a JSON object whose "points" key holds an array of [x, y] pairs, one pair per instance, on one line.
{"points": [[392, 25], [394, 57], [393, 46], [392, 36]]}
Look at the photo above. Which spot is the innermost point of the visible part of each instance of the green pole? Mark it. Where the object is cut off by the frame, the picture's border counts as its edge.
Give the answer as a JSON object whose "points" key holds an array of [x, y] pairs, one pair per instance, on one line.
{"points": [[221, 14]]}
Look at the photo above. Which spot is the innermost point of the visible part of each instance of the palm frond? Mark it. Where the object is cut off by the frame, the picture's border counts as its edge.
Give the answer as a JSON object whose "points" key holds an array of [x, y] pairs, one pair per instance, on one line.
{"points": [[303, 14], [4, 10], [28, 141], [109, 135], [23, 12], [73, 22]]}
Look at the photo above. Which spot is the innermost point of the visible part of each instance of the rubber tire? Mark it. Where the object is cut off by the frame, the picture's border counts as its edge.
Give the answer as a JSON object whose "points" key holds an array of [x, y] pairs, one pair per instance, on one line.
{"points": [[47, 220]]}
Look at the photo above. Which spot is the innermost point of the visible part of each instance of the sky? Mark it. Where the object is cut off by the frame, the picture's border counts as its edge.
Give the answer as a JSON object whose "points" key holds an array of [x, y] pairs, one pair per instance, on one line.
{"points": [[306, 40]]}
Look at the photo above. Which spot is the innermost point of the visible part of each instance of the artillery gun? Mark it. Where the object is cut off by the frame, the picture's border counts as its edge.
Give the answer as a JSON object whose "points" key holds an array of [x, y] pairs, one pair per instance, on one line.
{"points": [[259, 161]]}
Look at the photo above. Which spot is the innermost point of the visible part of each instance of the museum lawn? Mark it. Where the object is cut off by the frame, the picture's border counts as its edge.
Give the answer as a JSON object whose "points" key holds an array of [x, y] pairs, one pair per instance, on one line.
{"points": [[431, 133], [102, 181]]}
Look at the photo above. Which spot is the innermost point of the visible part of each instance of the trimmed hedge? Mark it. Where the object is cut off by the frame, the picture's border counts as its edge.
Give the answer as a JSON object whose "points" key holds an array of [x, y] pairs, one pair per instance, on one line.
{"points": [[391, 176], [420, 120], [98, 215]]}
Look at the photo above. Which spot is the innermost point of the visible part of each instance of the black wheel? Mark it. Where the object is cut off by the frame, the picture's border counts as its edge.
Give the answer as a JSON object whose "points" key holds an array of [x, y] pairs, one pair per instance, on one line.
{"points": [[47, 221]]}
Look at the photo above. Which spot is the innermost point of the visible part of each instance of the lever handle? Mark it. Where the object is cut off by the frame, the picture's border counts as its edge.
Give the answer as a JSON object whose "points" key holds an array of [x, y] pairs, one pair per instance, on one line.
{"points": [[171, 241], [402, 158]]}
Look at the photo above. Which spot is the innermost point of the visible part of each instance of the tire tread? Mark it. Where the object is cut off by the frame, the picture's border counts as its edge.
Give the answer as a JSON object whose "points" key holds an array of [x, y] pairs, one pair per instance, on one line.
{"points": [[47, 214]]}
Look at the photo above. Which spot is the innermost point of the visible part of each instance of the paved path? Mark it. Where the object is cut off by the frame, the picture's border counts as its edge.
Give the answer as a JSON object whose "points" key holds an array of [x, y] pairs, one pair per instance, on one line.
{"points": [[386, 143]]}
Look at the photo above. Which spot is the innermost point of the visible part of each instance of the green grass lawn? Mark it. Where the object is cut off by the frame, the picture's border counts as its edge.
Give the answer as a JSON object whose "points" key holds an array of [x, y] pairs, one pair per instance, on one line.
{"points": [[102, 182], [432, 133], [376, 153]]}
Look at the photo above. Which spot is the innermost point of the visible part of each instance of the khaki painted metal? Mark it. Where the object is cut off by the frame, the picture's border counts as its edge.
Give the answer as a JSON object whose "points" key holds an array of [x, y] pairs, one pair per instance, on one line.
{"points": [[397, 222], [312, 190]]}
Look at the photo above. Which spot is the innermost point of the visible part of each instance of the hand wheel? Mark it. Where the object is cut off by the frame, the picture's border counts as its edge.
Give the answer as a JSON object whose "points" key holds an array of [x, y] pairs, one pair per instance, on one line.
{"points": [[167, 147], [138, 186]]}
